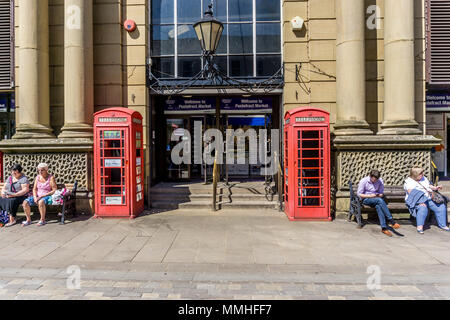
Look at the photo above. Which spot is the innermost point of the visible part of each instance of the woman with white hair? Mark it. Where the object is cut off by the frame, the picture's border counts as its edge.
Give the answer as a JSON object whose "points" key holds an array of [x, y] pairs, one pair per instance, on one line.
{"points": [[44, 187]]}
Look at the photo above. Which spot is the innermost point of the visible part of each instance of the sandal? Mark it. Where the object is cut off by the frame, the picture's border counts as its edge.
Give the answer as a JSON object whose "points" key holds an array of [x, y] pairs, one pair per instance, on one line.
{"points": [[10, 224], [26, 223], [41, 223]]}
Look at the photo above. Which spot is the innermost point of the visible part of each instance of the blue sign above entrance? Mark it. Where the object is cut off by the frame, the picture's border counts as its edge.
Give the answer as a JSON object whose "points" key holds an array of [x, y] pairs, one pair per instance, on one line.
{"points": [[227, 105], [246, 105], [179, 106], [438, 101]]}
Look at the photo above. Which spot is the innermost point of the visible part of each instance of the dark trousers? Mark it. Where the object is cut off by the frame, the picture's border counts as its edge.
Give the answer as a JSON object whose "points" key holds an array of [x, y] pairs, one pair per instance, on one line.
{"points": [[382, 210], [11, 205]]}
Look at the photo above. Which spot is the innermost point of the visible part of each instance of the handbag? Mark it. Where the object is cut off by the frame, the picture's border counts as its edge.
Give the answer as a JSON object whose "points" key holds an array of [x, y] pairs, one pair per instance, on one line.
{"points": [[435, 195]]}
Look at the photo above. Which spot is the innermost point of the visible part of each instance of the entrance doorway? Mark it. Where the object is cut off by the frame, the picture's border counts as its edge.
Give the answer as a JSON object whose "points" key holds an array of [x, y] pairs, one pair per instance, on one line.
{"points": [[176, 125], [174, 115]]}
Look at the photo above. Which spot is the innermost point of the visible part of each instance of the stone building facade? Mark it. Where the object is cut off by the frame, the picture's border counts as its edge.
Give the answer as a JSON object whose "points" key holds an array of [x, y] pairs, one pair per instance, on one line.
{"points": [[361, 60]]}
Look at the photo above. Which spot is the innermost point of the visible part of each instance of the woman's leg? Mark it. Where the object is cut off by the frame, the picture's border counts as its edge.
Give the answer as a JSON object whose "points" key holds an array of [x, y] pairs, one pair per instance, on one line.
{"points": [[42, 209], [422, 213], [27, 210], [440, 211]]}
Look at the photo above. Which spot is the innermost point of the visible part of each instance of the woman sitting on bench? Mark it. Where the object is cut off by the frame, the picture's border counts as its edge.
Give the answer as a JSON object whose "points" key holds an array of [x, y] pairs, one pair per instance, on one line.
{"points": [[44, 187], [418, 197], [14, 191]]}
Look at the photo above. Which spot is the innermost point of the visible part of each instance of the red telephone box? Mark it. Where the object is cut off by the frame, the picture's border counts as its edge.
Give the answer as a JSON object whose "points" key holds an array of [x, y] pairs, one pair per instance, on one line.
{"points": [[307, 164], [118, 163]]}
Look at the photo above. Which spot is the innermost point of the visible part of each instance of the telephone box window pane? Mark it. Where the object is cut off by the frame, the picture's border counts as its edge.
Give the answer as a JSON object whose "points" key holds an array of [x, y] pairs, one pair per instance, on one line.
{"points": [[163, 40], [268, 10], [240, 10], [310, 192], [162, 11], [309, 183], [310, 163], [114, 190], [299, 134], [188, 11], [241, 66], [189, 66], [310, 144], [310, 202], [310, 153], [310, 173], [310, 134]]}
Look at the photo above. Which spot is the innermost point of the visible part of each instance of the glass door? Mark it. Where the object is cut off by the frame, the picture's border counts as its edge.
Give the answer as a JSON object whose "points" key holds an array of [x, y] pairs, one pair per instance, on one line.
{"points": [[176, 126]]}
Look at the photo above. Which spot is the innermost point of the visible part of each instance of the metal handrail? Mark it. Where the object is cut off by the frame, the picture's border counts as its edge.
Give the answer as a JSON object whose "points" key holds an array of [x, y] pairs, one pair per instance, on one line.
{"points": [[434, 173], [280, 181], [215, 182]]}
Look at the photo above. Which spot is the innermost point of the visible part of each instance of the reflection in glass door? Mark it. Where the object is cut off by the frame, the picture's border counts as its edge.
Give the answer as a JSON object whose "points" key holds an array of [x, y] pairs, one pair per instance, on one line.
{"points": [[175, 127]]}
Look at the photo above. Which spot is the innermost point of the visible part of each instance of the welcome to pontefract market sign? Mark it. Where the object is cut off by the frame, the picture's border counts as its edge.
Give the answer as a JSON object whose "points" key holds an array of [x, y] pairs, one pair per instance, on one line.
{"points": [[438, 101]]}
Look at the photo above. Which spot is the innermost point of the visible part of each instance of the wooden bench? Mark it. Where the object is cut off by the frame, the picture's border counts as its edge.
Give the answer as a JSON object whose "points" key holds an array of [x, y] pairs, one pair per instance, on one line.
{"points": [[395, 200], [69, 201]]}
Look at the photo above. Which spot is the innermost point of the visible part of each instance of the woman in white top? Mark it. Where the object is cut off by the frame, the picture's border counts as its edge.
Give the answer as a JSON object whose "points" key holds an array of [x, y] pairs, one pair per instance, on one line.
{"points": [[419, 182]]}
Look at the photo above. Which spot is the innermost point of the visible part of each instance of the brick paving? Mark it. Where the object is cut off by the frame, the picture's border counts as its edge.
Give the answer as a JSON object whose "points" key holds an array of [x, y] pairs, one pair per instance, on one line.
{"points": [[256, 254]]}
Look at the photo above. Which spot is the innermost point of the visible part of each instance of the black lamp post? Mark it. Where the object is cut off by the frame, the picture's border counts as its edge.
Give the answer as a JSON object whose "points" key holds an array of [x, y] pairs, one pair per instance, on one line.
{"points": [[209, 31]]}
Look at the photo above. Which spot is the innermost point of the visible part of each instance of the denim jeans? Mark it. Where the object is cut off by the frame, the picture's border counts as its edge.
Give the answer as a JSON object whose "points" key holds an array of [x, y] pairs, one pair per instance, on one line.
{"points": [[382, 210], [440, 211]]}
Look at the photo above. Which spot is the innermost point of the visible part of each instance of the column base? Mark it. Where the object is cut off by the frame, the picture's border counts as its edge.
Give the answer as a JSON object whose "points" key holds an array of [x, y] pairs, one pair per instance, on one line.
{"points": [[400, 127], [352, 128], [33, 131], [77, 130]]}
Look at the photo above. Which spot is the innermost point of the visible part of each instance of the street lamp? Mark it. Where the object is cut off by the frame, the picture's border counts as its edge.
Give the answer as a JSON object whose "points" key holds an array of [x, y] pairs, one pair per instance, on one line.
{"points": [[209, 31]]}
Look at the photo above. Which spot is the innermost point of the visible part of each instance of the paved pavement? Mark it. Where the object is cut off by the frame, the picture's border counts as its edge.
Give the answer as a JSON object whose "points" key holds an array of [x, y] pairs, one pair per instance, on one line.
{"points": [[198, 254]]}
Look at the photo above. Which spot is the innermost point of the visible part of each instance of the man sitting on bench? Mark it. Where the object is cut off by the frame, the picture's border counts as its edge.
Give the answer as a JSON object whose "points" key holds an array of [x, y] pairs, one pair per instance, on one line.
{"points": [[371, 191]]}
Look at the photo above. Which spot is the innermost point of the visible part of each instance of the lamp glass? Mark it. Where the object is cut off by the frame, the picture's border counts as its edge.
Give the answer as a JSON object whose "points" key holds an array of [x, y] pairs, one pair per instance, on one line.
{"points": [[209, 33]]}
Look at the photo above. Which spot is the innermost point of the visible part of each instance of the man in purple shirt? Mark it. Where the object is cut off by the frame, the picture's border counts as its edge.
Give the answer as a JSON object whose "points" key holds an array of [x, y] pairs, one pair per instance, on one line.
{"points": [[371, 191]]}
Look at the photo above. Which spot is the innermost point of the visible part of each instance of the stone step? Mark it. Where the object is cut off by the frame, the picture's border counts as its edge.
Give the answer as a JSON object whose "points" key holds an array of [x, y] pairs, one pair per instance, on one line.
{"points": [[181, 197], [221, 205], [209, 190]]}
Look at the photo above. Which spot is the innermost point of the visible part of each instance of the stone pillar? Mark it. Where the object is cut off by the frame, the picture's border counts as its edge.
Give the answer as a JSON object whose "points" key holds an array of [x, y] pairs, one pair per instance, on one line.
{"points": [[78, 70], [399, 104], [350, 69], [33, 114]]}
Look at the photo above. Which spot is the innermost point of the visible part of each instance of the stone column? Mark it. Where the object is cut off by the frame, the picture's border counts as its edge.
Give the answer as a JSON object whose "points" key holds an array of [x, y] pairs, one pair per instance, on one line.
{"points": [[78, 70], [399, 104], [350, 69], [33, 114]]}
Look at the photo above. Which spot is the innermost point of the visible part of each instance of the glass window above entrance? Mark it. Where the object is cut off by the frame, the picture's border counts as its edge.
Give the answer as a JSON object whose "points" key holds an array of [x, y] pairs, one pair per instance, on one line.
{"points": [[250, 45]]}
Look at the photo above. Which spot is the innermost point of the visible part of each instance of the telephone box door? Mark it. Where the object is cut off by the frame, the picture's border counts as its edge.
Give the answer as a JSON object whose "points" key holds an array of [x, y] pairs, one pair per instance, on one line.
{"points": [[112, 169], [311, 170]]}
